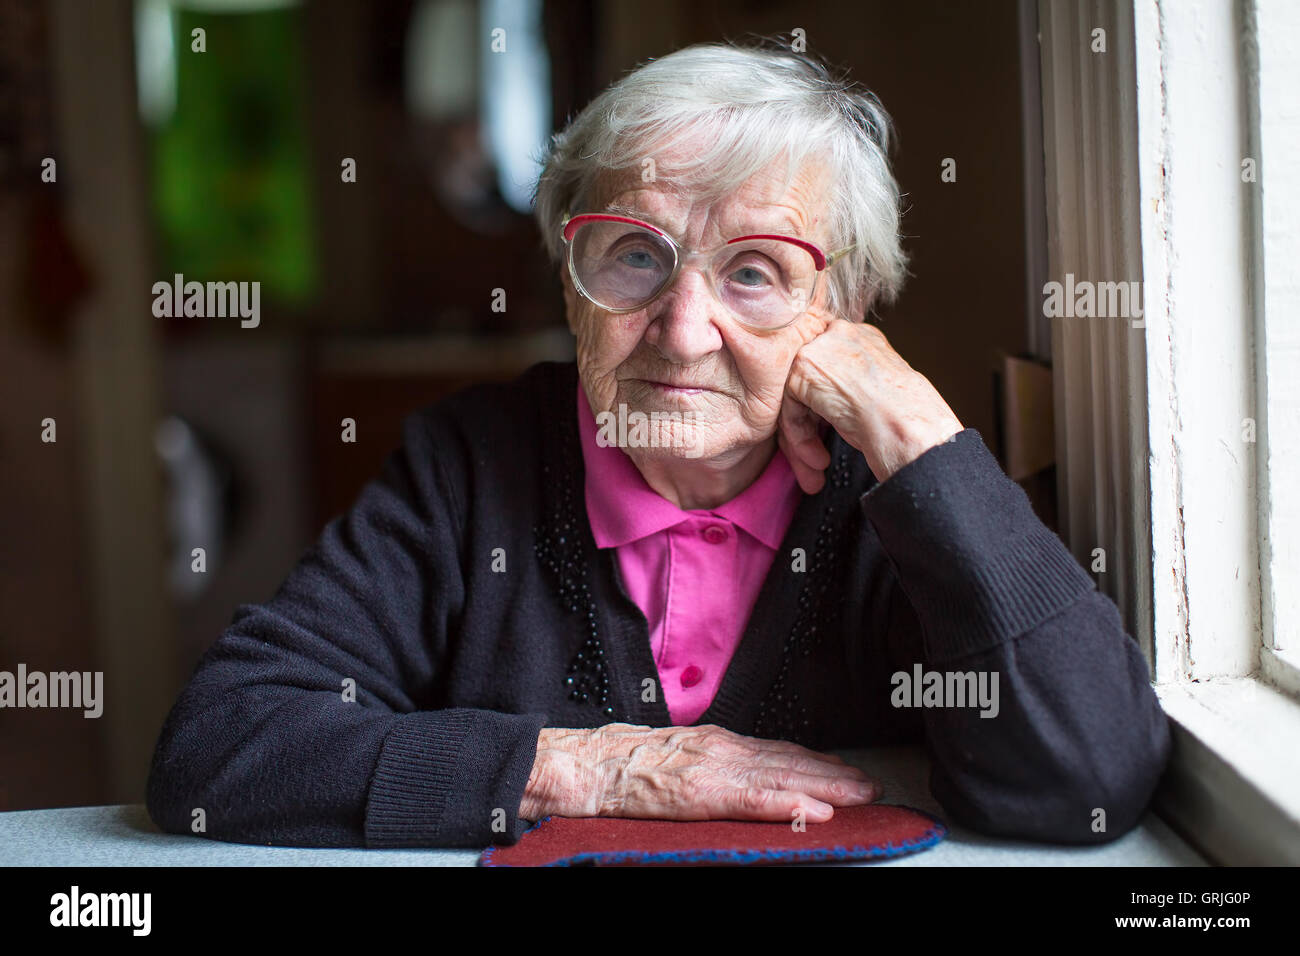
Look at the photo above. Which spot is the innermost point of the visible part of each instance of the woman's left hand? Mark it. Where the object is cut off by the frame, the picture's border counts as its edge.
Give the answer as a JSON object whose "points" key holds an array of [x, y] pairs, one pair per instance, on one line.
{"points": [[851, 377]]}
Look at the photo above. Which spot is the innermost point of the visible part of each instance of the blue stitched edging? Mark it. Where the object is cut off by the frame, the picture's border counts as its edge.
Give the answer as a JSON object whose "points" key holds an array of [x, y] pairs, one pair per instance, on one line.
{"points": [[820, 854]]}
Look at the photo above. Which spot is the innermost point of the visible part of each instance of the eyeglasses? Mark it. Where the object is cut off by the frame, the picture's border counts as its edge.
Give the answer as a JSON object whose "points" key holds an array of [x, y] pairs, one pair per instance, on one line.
{"points": [[623, 264]]}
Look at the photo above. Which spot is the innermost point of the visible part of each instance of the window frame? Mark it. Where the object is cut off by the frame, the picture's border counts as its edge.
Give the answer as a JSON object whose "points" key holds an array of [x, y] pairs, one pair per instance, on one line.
{"points": [[1143, 150], [1273, 76]]}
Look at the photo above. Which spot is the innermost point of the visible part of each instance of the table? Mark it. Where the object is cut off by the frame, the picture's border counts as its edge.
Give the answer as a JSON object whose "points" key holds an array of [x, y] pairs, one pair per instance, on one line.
{"points": [[123, 835]]}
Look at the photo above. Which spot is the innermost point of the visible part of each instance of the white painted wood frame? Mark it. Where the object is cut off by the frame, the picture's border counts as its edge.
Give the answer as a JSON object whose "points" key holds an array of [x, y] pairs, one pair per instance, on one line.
{"points": [[1144, 146]]}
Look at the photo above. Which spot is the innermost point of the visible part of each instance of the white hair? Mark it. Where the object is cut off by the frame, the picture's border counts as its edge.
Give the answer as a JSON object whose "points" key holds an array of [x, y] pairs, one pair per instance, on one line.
{"points": [[742, 107]]}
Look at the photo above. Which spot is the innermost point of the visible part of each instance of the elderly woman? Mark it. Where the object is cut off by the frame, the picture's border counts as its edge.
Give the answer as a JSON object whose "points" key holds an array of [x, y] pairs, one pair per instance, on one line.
{"points": [[661, 581]]}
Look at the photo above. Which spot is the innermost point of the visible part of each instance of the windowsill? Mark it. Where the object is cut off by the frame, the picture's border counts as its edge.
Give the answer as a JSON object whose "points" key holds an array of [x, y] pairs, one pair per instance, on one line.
{"points": [[1233, 783]]}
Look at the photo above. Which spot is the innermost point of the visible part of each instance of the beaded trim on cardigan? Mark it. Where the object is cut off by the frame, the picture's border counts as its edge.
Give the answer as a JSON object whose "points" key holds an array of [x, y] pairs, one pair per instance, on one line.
{"points": [[781, 714], [558, 544]]}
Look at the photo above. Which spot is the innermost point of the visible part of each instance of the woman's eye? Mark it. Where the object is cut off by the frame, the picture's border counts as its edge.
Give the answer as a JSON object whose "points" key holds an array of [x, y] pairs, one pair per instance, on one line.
{"points": [[637, 259], [749, 276]]}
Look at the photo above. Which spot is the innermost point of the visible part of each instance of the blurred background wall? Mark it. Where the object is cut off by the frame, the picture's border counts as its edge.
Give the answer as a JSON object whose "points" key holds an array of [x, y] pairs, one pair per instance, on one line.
{"points": [[230, 163]]}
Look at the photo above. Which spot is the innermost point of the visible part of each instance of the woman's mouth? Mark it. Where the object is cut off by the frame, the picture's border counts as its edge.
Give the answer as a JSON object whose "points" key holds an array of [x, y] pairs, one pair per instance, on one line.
{"points": [[670, 389]]}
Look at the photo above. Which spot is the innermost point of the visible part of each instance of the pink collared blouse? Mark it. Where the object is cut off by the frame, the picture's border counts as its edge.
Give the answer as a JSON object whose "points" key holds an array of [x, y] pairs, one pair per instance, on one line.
{"points": [[694, 574]]}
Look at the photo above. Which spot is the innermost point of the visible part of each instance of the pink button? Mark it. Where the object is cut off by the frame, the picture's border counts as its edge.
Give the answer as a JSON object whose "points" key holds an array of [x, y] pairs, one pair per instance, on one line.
{"points": [[692, 676], [715, 534]]}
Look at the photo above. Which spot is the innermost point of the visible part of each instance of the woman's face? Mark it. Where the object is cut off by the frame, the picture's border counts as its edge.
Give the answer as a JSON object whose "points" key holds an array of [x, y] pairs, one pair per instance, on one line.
{"points": [[685, 352]]}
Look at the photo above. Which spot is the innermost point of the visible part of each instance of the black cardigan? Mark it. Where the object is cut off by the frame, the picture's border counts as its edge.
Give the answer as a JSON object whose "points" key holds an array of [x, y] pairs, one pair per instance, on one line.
{"points": [[458, 663]]}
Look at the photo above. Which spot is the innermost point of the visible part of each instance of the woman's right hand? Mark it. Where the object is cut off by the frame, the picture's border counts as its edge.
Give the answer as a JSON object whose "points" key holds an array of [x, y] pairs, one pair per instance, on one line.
{"points": [[686, 773]]}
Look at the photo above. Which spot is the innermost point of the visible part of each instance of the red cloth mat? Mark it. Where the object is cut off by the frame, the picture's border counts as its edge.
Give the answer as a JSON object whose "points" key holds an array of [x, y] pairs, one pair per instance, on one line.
{"points": [[870, 832]]}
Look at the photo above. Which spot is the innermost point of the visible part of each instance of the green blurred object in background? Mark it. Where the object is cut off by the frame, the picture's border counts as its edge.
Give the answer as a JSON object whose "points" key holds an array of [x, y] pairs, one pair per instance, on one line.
{"points": [[230, 162]]}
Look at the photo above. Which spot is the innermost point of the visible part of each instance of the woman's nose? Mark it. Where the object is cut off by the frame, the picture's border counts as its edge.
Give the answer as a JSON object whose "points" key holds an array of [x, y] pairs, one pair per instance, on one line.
{"points": [[683, 326]]}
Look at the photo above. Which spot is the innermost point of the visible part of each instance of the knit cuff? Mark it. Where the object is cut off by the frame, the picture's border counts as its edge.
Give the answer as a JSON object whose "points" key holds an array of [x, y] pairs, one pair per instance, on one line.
{"points": [[973, 559], [452, 778]]}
